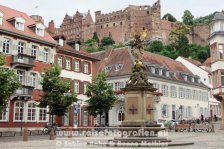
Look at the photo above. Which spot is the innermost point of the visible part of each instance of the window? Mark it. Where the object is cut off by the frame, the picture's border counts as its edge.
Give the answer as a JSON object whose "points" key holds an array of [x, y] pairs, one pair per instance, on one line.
{"points": [[108, 68], [165, 90], [118, 67], [163, 72], [4, 114], [222, 78], [121, 23], [76, 87], [76, 46], [1, 20], [157, 71], [31, 113], [164, 110], [19, 26], [221, 51], [188, 93], [33, 79], [189, 112], [181, 92], [20, 76], [85, 118], [77, 65], [173, 91], [21, 46], [60, 61], [34, 50], [6, 45], [86, 68], [19, 111], [42, 114], [156, 85], [85, 88], [118, 86], [46, 55], [68, 64], [40, 32], [121, 113]]}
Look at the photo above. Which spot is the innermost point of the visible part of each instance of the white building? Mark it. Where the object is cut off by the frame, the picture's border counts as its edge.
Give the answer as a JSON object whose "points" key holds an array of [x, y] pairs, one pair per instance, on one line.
{"points": [[204, 72], [183, 95]]}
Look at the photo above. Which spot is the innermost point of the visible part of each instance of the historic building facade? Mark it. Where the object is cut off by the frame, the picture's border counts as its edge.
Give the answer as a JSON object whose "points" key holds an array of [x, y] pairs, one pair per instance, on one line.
{"points": [[77, 67], [28, 50], [204, 71], [180, 95], [216, 40]]}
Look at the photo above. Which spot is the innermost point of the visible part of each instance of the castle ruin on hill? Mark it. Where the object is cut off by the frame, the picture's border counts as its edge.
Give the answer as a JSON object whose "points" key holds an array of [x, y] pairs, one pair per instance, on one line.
{"points": [[122, 24]]}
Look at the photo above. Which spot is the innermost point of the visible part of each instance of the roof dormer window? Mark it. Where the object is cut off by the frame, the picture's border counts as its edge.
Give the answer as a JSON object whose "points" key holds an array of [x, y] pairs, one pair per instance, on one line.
{"points": [[1, 18], [40, 29], [108, 68], [19, 26], [118, 67], [40, 32]]}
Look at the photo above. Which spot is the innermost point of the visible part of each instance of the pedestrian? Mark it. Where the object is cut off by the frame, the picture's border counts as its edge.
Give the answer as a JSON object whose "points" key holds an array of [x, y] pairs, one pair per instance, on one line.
{"points": [[202, 117]]}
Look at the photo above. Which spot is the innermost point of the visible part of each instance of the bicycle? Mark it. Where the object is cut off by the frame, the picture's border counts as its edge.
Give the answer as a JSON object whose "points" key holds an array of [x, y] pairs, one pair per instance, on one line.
{"points": [[48, 127]]}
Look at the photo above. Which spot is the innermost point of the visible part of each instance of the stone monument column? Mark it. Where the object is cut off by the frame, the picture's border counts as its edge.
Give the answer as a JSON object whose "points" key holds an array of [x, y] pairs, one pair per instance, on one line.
{"points": [[139, 93]]}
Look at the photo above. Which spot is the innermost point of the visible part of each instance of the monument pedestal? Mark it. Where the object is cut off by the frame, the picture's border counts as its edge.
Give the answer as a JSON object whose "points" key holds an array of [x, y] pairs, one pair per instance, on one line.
{"points": [[138, 108]]}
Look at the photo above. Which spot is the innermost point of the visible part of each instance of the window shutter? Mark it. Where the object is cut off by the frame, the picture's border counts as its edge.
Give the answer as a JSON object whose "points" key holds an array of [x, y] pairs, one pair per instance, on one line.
{"points": [[72, 64], [81, 87], [51, 57], [56, 59], [14, 49], [40, 55], [82, 66], [71, 86], [89, 68], [1, 46]]}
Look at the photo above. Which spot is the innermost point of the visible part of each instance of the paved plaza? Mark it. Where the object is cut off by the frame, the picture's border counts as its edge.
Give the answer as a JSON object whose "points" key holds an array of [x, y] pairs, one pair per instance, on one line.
{"points": [[202, 140]]}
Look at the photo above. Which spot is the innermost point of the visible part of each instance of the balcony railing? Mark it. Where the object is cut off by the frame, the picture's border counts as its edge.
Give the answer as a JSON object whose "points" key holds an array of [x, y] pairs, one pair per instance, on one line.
{"points": [[23, 61], [24, 91]]}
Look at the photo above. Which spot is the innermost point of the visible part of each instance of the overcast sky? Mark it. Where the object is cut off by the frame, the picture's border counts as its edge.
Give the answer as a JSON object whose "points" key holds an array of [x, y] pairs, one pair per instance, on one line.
{"points": [[56, 9]]}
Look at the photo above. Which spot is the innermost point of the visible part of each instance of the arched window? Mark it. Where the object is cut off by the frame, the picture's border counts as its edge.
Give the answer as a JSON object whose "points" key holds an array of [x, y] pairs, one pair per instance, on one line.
{"points": [[31, 114], [19, 111], [121, 113]]}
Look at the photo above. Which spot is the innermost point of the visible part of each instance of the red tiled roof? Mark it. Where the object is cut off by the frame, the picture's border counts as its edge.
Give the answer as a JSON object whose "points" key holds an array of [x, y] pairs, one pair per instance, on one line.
{"points": [[70, 50], [11, 13], [208, 61], [123, 56]]}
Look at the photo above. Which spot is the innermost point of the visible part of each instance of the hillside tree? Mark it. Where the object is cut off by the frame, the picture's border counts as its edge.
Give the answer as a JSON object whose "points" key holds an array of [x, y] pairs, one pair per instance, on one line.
{"points": [[188, 18], [169, 17]]}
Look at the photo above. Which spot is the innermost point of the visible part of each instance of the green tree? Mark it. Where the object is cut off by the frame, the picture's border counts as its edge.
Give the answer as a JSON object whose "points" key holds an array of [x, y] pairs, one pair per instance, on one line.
{"points": [[155, 47], [180, 30], [9, 82], [188, 18], [107, 41], [170, 17], [200, 53], [101, 95], [183, 46], [56, 91], [96, 38]]}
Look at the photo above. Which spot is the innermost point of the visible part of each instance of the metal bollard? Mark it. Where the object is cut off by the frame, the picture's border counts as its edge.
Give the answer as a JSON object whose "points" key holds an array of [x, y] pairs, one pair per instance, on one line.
{"points": [[25, 134], [52, 135], [70, 133]]}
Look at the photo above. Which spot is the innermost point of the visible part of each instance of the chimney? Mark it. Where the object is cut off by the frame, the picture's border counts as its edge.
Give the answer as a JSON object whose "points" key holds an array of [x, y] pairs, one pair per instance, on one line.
{"points": [[51, 27]]}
